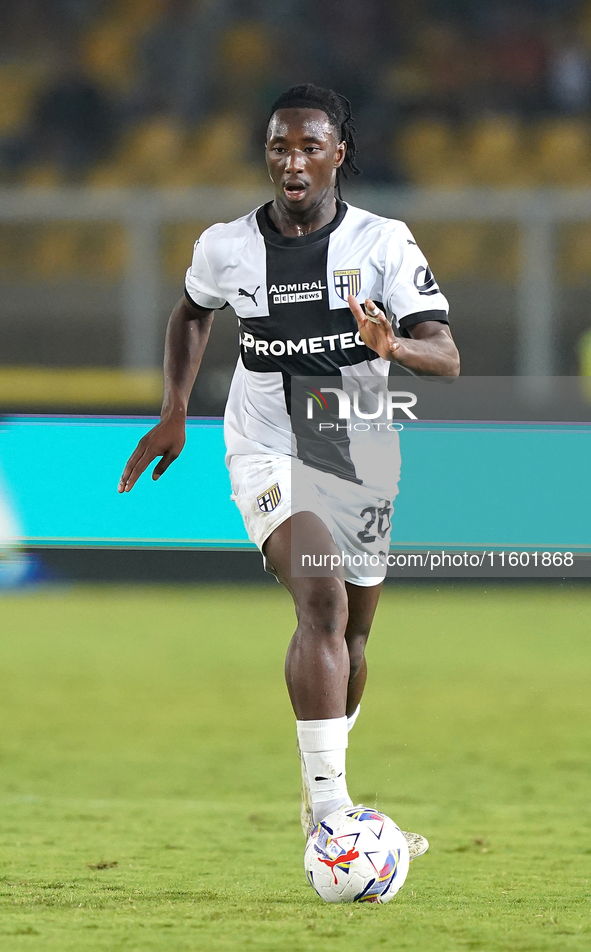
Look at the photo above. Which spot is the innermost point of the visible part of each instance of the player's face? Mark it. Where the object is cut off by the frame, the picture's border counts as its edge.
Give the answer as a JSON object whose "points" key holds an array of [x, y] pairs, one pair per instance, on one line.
{"points": [[303, 155]]}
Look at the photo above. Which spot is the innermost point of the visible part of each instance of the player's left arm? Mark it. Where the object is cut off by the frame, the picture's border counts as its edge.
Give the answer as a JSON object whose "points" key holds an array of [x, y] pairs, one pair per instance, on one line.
{"points": [[430, 349]]}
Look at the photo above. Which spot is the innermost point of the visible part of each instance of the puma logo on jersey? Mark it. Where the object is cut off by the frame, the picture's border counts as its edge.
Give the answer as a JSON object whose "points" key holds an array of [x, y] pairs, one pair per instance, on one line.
{"points": [[243, 293], [429, 285]]}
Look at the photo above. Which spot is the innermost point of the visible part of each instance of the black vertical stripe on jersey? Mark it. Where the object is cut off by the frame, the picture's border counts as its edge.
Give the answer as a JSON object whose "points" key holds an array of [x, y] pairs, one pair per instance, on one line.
{"points": [[295, 261], [328, 451]]}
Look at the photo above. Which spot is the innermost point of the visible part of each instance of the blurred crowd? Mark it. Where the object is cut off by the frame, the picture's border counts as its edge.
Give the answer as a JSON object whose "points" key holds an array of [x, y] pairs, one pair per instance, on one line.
{"points": [[178, 91]]}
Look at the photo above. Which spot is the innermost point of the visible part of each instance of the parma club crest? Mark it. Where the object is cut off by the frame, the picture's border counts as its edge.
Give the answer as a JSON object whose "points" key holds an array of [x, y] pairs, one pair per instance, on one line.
{"points": [[269, 500], [347, 282]]}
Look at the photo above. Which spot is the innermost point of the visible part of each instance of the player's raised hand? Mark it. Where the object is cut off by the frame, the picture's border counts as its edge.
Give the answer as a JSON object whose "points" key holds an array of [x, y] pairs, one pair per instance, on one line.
{"points": [[166, 439], [375, 329]]}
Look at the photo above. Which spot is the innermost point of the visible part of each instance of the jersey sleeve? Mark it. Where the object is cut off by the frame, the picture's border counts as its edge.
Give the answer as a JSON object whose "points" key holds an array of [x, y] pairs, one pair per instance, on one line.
{"points": [[411, 293], [200, 285]]}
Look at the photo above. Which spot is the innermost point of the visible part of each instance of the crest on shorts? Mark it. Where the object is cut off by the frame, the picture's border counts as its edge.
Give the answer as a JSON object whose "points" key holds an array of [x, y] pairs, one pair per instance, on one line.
{"points": [[347, 282], [269, 500]]}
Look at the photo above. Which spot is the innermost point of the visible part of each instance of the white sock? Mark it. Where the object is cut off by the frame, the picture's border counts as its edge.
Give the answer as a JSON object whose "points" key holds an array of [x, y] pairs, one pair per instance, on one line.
{"points": [[323, 745], [351, 720]]}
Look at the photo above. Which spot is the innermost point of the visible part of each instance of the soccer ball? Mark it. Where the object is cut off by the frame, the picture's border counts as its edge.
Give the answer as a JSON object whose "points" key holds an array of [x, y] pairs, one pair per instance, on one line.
{"points": [[356, 855]]}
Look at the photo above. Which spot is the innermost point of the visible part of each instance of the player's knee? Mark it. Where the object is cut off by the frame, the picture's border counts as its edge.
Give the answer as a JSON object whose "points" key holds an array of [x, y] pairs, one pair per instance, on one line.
{"points": [[356, 646], [322, 608]]}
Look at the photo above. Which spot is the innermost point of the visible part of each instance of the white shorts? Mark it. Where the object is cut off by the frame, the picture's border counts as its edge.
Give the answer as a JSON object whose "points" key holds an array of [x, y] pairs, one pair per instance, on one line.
{"points": [[357, 517]]}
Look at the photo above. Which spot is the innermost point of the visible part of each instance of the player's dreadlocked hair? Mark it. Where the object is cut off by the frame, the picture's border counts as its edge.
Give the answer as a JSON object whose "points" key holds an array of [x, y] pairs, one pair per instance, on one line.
{"points": [[338, 110]]}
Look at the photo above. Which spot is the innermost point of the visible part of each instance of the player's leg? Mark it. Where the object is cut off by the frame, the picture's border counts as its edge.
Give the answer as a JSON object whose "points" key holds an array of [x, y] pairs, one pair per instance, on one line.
{"points": [[362, 603], [317, 667], [317, 664]]}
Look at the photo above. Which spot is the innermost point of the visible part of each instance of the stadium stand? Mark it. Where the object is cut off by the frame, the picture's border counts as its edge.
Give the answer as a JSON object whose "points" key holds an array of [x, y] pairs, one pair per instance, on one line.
{"points": [[562, 153], [469, 98], [453, 96]]}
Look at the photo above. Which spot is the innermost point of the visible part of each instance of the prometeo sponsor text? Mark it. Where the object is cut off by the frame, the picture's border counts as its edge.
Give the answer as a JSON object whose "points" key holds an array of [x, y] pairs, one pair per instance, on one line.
{"points": [[306, 345]]}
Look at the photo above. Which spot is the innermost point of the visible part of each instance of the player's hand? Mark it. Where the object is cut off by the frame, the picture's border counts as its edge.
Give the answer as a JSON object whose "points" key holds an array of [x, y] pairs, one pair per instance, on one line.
{"points": [[377, 334], [166, 439]]}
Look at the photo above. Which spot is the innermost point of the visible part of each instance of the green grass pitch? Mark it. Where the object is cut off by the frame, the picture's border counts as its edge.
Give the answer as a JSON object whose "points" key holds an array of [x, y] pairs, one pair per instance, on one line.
{"points": [[149, 779]]}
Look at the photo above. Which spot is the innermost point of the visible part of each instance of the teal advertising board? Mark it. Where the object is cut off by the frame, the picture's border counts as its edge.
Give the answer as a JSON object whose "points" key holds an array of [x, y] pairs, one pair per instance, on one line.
{"points": [[462, 485]]}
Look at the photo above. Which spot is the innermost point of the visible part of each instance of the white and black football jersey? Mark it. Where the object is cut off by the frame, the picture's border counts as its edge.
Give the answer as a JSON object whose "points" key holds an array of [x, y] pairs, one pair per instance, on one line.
{"points": [[290, 296]]}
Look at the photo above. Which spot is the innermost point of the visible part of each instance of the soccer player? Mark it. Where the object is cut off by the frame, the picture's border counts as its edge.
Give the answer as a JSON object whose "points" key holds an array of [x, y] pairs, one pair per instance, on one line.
{"points": [[294, 271]]}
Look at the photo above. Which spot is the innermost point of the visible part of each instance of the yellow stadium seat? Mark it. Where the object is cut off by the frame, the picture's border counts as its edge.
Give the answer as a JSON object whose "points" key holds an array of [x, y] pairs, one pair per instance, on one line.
{"points": [[149, 150], [186, 174], [584, 355], [16, 242], [111, 174], [500, 252], [177, 247], [109, 45], [136, 13], [202, 157], [66, 250], [159, 153], [406, 80], [430, 155], [470, 251], [574, 253], [583, 24], [102, 251], [55, 251], [6, 251], [562, 153], [456, 250], [245, 49], [218, 154], [18, 82], [108, 54], [42, 175], [496, 155]]}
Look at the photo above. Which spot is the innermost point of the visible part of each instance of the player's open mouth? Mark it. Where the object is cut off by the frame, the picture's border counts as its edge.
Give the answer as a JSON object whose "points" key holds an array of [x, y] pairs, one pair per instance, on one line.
{"points": [[294, 191]]}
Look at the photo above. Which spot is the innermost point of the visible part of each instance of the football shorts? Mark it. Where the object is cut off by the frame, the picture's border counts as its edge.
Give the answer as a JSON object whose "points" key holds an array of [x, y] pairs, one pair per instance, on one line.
{"points": [[268, 489]]}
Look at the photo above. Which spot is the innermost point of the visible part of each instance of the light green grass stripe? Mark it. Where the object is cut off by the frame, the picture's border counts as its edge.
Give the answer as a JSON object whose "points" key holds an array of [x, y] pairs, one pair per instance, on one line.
{"points": [[149, 727]]}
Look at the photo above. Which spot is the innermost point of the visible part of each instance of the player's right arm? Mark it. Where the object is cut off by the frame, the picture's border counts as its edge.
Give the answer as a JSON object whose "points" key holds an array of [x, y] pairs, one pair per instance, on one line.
{"points": [[186, 337]]}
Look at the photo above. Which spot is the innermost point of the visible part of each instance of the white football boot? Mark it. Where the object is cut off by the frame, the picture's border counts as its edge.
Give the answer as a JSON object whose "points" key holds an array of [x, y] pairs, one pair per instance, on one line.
{"points": [[417, 844]]}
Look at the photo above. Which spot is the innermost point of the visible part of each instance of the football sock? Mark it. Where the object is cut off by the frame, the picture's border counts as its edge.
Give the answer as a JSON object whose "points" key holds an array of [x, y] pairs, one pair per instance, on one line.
{"points": [[323, 746], [351, 720]]}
